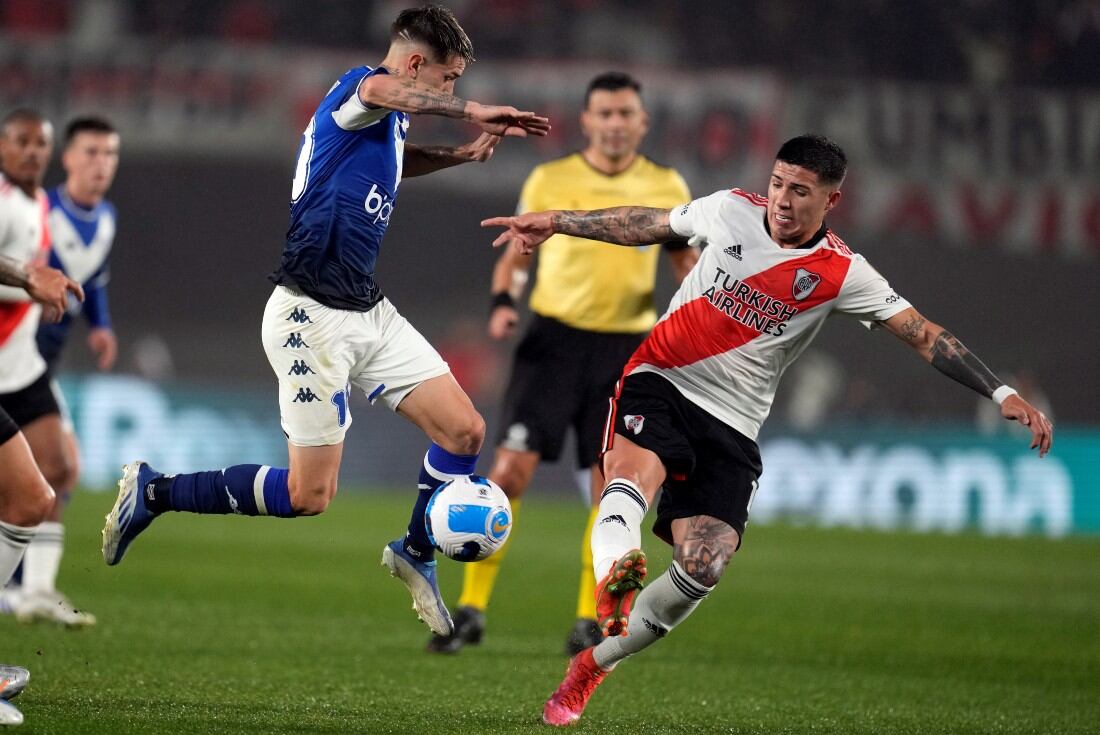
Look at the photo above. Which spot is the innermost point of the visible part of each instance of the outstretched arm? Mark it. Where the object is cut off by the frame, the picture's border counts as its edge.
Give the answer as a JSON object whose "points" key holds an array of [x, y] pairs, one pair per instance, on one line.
{"points": [[408, 95], [619, 225], [420, 160], [951, 357]]}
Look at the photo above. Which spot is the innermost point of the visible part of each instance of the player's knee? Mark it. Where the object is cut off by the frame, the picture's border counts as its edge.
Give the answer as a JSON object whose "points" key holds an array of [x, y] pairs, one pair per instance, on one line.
{"points": [[32, 505], [511, 475], [61, 473], [311, 497], [467, 435]]}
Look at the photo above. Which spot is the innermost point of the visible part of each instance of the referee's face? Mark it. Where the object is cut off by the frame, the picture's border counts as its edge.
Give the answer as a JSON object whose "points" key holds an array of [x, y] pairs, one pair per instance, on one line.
{"points": [[615, 122]]}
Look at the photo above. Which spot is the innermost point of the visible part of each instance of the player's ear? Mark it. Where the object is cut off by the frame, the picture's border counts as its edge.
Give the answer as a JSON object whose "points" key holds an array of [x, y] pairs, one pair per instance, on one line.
{"points": [[415, 62], [834, 198]]}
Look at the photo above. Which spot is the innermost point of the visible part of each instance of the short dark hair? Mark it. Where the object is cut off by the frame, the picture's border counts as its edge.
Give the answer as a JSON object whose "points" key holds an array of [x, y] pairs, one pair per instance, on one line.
{"points": [[21, 114], [611, 81], [436, 27], [88, 124], [818, 154]]}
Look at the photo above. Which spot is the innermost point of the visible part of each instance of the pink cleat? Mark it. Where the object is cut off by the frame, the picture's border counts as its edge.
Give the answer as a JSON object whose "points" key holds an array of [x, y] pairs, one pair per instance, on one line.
{"points": [[566, 705]]}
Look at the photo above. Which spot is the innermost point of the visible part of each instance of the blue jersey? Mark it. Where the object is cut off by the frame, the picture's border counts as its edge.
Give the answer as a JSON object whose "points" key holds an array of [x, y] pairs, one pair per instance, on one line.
{"points": [[80, 241], [345, 186]]}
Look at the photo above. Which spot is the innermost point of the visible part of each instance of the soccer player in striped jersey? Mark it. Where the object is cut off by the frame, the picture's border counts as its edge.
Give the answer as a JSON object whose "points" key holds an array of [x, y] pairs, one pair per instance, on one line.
{"points": [[82, 229], [327, 325], [692, 398], [592, 306], [26, 498]]}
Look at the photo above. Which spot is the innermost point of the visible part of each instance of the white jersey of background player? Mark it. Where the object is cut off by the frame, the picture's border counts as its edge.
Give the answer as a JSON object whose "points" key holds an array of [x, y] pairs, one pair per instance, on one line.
{"points": [[694, 394], [24, 237]]}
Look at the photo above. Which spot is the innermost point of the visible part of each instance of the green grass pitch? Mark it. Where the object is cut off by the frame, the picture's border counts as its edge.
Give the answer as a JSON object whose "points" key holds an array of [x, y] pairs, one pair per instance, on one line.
{"points": [[232, 625]]}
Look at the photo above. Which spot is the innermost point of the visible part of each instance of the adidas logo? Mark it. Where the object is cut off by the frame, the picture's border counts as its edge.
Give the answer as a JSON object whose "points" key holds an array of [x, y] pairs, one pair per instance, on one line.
{"points": [[614, 519], [299, 316], [734, 251], [295, 340], [305, 395], [657, 630], [300, 368]]}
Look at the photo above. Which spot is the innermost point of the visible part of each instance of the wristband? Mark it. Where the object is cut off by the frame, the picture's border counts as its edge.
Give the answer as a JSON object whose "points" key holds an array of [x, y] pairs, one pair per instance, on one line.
{"points": [[1002, 393], [501, 298]]}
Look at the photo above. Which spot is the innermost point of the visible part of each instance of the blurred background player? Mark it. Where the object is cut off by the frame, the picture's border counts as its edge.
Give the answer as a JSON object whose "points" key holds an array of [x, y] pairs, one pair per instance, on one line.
{"points": [[82, 229], [26, 141], [25, 496], [327, 325], [592, 306], [693, 397]]}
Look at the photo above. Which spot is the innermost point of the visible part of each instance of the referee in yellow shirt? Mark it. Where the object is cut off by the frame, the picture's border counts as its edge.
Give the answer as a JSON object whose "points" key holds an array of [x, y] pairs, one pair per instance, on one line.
{"points": [[592, 304]]}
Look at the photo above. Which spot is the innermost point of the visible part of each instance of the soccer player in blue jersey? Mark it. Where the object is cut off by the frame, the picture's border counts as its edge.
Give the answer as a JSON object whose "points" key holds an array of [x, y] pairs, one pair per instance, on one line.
{"points": [[327, 326], [82, 229]]}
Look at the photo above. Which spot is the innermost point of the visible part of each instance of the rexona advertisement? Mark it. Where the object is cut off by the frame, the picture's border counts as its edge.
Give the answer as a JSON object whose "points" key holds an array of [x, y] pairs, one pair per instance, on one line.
{"points": [[932, 480]]}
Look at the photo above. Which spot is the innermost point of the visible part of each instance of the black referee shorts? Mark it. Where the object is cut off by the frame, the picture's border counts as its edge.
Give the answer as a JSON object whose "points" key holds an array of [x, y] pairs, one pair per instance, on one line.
{"points": [[712, 468], [27, 404], [562, 377]]}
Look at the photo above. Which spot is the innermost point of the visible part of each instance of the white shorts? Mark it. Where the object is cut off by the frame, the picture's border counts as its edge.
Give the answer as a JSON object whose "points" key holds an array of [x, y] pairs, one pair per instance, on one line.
{"points": [[318, 353]]}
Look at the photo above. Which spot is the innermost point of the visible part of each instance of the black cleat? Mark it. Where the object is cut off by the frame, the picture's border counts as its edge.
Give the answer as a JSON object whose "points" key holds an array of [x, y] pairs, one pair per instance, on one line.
{"points": [[469, 627], [585, 634]]}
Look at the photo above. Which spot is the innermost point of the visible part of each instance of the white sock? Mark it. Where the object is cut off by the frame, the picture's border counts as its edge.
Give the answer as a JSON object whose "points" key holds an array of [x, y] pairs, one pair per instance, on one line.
{"points": [[43, 558], [13, 541], [618, 527], [661, 606]]}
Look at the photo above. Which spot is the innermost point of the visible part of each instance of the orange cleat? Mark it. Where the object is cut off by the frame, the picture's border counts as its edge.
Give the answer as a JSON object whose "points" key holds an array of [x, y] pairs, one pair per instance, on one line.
{"points": [[615, 593], [566, 705]]}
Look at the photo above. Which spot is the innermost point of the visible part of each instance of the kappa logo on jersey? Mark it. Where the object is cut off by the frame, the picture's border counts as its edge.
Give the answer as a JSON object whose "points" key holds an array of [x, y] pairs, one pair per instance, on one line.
{"points": [[305, 395], [295, 340], [733, 251], [300, 368], [804, 284], [634, 423], [378, 204], [299, 316]]}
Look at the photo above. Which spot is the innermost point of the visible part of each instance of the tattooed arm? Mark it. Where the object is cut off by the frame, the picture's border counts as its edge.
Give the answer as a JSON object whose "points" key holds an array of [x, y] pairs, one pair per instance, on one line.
{"points": [[951, 357], [47, 286], [420, 160], [619, 225], [408, 95]]}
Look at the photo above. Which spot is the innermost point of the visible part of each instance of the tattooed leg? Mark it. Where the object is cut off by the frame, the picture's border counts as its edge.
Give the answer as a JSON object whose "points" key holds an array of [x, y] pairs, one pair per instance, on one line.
{"points": [[703, 548]]}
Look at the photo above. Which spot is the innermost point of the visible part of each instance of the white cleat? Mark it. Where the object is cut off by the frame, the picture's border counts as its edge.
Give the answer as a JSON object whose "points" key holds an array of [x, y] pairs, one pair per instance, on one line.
{"points": [[9, 715], [52, 607], [13, 679], [10, 597], [419, 578]]}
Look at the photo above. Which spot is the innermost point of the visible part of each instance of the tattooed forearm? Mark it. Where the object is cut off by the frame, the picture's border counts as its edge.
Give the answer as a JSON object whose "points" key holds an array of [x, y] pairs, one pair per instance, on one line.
{"points": [[912, 328], [420, 160], [706, 548], [408, 95], [620, 225], [950, 357], [12, 273]]}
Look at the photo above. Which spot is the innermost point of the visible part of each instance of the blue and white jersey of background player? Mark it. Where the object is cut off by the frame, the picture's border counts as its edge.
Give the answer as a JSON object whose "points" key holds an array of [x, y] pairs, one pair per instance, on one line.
{"points": [[344, 190], [81, 240]]}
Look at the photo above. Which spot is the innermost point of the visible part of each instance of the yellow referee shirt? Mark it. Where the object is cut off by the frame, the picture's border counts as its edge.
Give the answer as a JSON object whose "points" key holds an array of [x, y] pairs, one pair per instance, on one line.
{"points": [[594, 285]]}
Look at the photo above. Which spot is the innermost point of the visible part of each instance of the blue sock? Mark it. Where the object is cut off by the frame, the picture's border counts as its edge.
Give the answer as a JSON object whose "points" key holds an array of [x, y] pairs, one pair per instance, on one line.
{"points": [[245, 489], [438, 467]]}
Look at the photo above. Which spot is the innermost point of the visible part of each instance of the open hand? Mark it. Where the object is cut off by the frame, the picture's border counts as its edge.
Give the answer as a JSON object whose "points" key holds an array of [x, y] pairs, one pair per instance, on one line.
{"points": [[508, 121], [480, 150], [525, 231]]}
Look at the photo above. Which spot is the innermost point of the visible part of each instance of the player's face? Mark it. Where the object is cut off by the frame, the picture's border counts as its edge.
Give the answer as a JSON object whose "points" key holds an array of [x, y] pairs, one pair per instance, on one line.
{"points": [[25, 147], [440, 75], [797, 203], [90, 161], [615, 122]]}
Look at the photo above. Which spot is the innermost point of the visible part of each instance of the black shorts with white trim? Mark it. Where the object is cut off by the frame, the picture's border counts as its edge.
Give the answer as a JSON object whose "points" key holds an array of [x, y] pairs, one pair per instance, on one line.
{"points": [[712, 468], [33, 402]]}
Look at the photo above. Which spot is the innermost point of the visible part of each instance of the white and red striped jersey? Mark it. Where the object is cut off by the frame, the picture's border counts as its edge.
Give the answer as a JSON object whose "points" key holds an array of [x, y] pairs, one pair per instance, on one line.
{"points": [[24, 237], [749, 308]]}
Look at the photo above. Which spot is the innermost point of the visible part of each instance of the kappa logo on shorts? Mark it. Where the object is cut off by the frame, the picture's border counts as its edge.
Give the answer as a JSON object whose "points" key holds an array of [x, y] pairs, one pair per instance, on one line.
{"points": [[634, 423], [295, 340], [804, 284], [305, 395], [299, 316], [300, 368]]}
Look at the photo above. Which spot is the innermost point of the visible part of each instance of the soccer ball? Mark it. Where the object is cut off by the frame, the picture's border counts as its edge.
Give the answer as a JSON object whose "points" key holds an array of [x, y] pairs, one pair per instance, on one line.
{"points": [[468, 518]]}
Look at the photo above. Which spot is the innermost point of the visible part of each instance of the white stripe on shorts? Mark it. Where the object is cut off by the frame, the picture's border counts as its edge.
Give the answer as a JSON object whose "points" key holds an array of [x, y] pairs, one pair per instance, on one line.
{"points": [[258, 489]]}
